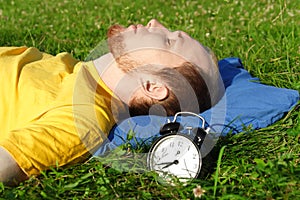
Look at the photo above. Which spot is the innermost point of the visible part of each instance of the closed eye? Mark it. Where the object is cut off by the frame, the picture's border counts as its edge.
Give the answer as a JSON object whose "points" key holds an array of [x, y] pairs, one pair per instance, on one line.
{"points": [[170, 42]]}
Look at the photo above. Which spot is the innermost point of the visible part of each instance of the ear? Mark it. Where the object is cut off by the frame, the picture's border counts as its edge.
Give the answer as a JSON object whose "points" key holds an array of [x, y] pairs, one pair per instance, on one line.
{"points": [[155, 90]]}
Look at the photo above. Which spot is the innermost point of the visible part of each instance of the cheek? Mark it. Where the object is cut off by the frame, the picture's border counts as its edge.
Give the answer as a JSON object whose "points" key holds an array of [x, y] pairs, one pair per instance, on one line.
{"points": [[159, 58], [135, 45], [143, 41]]}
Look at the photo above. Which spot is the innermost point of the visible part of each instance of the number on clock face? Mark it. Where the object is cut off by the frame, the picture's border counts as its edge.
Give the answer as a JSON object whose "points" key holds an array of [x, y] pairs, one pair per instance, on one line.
{"points": [[177, 155]]}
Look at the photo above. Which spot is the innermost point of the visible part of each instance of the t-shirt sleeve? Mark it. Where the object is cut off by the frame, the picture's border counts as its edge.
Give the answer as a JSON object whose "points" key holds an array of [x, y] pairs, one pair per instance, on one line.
{"points": [[56, 139]]}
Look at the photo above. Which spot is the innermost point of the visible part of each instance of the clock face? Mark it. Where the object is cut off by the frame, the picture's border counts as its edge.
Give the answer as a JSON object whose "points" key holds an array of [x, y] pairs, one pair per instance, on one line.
{"points": [[175, 154]]}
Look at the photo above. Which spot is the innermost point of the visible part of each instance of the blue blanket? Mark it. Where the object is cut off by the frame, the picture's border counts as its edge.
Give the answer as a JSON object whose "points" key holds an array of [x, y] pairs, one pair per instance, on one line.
{"points": [[247, 104]]}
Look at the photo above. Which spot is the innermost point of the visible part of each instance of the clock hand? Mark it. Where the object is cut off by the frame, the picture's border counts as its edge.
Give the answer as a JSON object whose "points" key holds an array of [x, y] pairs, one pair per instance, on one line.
{"points": [[171, 163], [164, 163]]}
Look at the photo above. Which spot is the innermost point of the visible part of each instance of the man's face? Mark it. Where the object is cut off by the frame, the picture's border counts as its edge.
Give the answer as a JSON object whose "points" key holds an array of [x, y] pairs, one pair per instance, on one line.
{"points": [[155, 44]]}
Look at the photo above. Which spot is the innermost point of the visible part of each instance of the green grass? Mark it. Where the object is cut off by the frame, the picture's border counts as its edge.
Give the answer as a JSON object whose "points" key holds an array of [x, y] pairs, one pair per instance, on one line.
{"points": [[262, 164]]}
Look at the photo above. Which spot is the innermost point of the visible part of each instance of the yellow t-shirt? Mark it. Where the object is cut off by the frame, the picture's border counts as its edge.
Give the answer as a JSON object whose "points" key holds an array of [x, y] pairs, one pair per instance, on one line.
{"points": [[54, 110]]}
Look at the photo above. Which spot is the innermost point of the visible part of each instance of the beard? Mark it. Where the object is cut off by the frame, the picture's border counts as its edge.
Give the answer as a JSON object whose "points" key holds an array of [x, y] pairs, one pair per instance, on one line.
{"points": [[115, 40], [115, 30], [115, 35]]}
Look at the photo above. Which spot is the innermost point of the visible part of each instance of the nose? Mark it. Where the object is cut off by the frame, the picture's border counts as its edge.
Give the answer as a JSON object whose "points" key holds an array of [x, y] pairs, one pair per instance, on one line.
{"points": [[153, 23], [183, 34]]}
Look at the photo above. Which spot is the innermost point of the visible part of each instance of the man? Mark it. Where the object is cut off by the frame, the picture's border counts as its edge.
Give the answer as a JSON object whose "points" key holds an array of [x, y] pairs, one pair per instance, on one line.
{"points": [[56, 111]]}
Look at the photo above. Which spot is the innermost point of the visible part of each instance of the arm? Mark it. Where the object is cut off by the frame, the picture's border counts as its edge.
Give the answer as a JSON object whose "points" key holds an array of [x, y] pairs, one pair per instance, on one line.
{"points": [[10, 172]]}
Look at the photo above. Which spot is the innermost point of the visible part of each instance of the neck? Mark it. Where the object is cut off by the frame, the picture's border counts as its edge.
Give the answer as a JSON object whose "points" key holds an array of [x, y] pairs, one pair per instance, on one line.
{"points": [[108, 70], [114, 78]]}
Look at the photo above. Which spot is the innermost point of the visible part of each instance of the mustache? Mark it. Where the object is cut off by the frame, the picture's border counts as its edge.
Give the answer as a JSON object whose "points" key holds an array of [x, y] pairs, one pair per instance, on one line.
{"points": [[115, 30]]}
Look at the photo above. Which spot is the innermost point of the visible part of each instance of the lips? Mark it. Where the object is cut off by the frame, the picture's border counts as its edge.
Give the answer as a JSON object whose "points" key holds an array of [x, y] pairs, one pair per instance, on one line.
{"points": [[132, 27]]}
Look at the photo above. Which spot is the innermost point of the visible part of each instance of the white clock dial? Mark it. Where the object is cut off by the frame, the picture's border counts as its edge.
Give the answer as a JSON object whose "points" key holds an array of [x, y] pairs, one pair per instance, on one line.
{"points": [[177, 155]]}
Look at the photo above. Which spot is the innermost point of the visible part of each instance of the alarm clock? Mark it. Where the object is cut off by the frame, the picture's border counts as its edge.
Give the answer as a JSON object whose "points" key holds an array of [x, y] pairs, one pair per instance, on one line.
{"points": [[177, 153]]}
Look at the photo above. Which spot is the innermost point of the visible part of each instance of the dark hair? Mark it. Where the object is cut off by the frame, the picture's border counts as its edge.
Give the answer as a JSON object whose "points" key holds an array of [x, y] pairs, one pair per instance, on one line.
{"points": [[187, 92]]}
